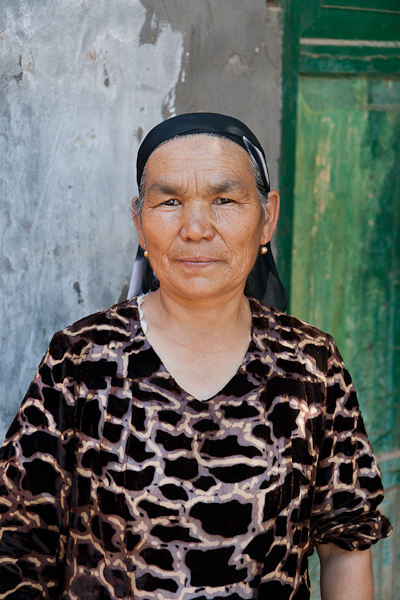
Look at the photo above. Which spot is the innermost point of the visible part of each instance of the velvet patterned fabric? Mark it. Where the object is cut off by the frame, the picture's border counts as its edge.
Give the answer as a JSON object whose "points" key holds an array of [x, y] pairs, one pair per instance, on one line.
{"points": [[115, 483]]}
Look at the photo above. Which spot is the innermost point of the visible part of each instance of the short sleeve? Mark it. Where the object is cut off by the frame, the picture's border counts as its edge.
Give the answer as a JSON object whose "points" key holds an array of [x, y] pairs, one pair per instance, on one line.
{"points": [[348, 484], [36, 462]]}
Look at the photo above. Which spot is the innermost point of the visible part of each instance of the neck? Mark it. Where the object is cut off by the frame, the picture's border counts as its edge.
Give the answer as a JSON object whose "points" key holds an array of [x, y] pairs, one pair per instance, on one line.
{"points": [[199, 319]]}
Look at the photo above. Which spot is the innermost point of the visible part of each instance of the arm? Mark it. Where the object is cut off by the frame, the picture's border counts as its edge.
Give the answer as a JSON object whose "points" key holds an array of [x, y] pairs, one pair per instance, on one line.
{"points": [[345, 575], [348, 485], [36, 463]]}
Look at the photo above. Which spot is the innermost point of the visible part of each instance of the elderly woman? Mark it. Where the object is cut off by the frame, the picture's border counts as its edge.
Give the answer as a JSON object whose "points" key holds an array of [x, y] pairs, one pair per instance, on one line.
{"points": [[191, 443]]}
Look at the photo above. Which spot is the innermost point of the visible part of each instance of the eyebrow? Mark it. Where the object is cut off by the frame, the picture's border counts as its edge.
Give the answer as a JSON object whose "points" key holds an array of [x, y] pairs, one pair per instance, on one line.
{"points": [[164, 188], [170, 190], [230, 185]]}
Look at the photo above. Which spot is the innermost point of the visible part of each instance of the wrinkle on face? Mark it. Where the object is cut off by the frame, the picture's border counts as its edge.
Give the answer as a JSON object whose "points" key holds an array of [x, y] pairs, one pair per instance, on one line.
{"points": [[201, 201]]}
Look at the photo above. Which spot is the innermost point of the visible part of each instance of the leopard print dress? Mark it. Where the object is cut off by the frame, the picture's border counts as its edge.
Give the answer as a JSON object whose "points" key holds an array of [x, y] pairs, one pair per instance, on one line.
{"points": [[115, 483]]}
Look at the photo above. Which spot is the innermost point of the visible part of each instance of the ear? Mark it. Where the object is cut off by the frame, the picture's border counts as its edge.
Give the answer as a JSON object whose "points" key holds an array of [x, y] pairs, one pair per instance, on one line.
{"points": [[138, 224], [271, 216]]}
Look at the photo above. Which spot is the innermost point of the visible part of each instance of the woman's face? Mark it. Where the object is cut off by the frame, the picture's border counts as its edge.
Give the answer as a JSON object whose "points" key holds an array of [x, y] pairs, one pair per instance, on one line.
{"points": [[202, 223]]}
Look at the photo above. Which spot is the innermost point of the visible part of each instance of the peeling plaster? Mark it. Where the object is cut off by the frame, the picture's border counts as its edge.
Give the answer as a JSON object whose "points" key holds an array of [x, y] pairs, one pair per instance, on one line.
{"points": [[236, 64]]}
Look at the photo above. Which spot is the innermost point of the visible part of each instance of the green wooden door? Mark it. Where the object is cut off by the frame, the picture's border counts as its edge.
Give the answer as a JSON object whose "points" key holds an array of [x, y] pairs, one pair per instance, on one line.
{"points": [[341, 245], [346, 253]]}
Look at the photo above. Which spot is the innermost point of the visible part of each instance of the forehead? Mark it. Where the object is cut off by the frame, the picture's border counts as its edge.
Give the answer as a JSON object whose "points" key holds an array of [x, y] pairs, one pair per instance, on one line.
{"points": [[199, 155]]}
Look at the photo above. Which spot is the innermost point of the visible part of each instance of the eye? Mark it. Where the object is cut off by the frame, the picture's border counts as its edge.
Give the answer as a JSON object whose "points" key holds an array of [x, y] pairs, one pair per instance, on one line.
{"points": [[224, 201], [171, 202]]}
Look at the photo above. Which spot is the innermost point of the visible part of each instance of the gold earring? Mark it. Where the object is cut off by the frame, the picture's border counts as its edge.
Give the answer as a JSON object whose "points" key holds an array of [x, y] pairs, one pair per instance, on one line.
{"points": [[263, 250], [146, 254]]}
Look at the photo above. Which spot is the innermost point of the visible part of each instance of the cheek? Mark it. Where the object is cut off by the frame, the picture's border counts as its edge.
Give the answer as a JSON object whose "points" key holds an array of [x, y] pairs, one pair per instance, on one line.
{"points": [[158, 232], [248, 231]]}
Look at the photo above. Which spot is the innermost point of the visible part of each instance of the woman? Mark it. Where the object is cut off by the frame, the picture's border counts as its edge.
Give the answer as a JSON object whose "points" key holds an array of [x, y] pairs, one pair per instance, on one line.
{"points": [[192, 442]]}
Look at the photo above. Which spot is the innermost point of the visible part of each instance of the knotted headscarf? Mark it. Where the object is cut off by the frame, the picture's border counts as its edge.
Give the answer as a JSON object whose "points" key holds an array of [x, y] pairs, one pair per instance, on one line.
{"points": [[263, 281]]}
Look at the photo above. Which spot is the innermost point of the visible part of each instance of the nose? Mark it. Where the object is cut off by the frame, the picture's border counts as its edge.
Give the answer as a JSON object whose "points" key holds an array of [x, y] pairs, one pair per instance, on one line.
{"points": [[197, 222]]}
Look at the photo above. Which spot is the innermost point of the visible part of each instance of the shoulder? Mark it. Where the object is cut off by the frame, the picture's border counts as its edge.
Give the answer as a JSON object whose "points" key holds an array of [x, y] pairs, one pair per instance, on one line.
{"points": [[115, 324], [116, 318], [293, 339], [285, 326]]}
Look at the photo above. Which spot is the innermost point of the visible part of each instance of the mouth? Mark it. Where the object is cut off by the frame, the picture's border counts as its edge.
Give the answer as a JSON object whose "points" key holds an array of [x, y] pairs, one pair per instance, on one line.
{"points": [[197, 262]]}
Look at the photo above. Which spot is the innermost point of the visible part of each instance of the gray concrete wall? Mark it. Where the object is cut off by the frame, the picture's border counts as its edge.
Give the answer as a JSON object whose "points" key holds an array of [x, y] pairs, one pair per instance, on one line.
{"points": [[81, 83]]}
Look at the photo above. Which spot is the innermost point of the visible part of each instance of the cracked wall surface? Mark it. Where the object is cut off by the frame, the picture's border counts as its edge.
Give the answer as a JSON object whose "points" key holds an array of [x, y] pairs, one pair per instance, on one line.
{"points": [[81, 83]]}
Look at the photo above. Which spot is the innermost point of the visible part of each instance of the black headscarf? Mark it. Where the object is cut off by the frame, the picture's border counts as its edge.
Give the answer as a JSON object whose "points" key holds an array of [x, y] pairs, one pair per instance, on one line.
{"points": [[263, 281]]}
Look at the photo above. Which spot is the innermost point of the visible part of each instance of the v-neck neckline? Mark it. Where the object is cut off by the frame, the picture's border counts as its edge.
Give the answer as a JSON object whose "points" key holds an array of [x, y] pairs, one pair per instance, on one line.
{"points": [[251, 349]]}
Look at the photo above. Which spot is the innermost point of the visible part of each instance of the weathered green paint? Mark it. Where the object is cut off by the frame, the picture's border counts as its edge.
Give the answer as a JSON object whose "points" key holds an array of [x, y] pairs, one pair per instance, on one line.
{"points": [[349, 60], [315, 19], [348, 117], [384, 6], [288, 137], [346, 246], [346, 251], [355, 19]]}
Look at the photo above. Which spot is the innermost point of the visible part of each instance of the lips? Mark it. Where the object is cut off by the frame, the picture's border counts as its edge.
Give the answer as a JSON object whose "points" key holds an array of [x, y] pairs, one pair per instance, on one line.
{"points": [[197, 262], [198, 259]]}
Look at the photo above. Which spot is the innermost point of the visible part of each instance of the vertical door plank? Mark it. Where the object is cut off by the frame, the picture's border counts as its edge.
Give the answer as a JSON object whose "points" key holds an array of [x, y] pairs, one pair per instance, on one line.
{"points": [[346, 253]]}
